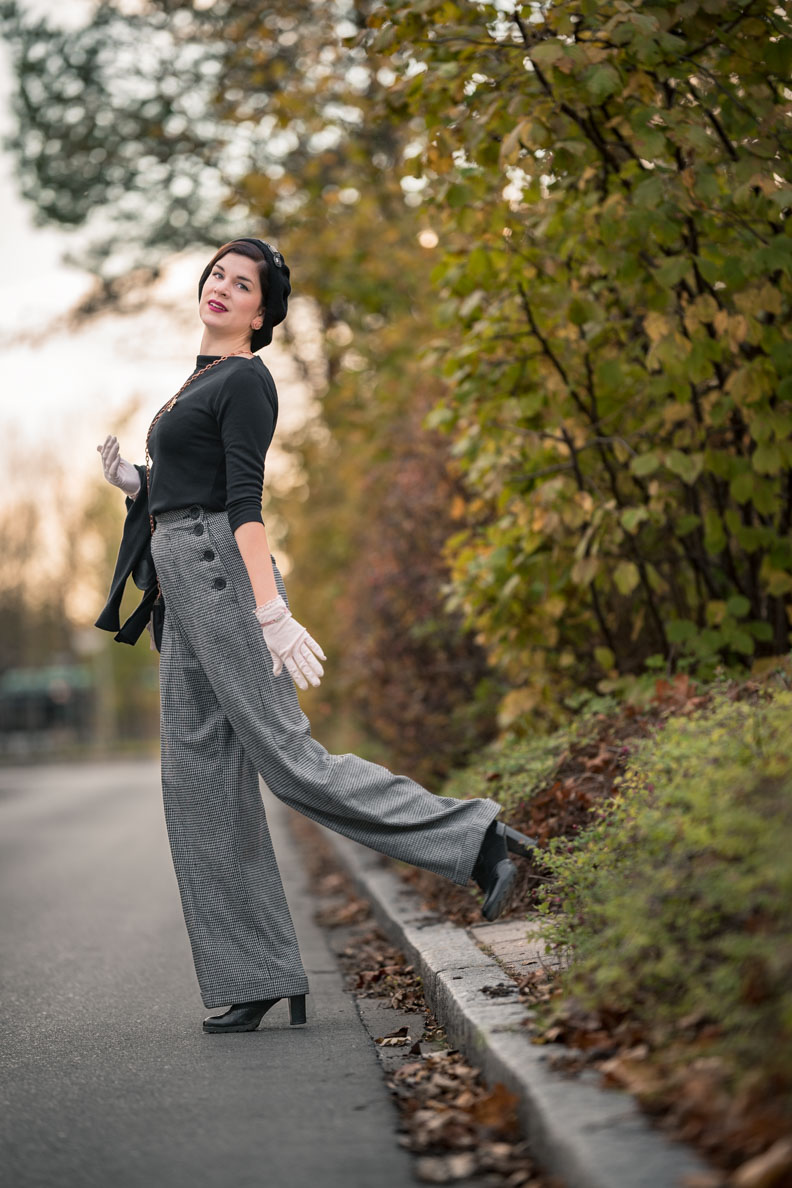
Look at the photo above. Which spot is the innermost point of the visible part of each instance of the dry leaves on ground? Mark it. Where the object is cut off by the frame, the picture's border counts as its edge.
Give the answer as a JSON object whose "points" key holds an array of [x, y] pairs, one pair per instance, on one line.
{"points": [[460, 1126], [675, 1078], [456, 1125]]}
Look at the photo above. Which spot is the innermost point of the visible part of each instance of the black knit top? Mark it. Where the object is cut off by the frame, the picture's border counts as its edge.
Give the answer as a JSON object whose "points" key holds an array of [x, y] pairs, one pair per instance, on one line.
{"points": [[210, 448]]}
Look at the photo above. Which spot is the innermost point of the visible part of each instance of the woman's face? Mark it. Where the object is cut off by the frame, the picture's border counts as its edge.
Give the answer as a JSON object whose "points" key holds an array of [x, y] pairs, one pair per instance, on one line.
{"points": [[231, 299]]}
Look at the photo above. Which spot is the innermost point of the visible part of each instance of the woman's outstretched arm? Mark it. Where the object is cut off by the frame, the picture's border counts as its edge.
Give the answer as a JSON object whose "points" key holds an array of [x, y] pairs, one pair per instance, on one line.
{"points": [[290, 645], [251, 539]]}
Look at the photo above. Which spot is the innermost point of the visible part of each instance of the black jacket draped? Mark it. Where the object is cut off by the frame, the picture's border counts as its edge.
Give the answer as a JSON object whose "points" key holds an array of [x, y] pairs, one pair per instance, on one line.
{"points": [[135, 560]]}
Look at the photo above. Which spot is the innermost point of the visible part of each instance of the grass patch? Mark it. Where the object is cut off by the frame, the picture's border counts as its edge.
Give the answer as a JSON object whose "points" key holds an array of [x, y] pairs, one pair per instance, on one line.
{"points": [[508, 772]]}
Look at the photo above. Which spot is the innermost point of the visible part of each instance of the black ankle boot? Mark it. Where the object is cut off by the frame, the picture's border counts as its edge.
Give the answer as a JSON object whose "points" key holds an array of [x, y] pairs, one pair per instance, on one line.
{"points": [[494, 871], [246, 1016]]}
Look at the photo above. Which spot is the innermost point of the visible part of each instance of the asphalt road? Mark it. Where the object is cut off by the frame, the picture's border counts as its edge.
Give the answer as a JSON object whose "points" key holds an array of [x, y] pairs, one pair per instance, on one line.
{"points": [[108, 1078]]}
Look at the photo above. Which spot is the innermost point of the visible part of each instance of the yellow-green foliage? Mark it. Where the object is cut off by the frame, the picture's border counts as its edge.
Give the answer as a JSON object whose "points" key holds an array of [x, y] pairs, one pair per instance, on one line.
{"points": [[610, 186], [512, 770], [676, 902]]}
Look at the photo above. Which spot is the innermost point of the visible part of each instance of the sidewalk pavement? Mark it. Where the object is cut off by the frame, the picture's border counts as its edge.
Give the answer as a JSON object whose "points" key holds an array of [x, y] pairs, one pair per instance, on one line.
{"points": [[589, 1136]]}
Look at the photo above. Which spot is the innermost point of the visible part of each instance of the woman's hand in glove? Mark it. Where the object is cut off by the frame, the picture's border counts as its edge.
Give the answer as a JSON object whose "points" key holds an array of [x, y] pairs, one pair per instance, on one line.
{"points": [[289, 643], [117, 470]]}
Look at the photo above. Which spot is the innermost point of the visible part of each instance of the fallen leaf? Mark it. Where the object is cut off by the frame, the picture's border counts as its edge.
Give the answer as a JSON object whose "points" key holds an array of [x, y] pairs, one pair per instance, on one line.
{"points": [[499, 990], [442, 1169], [601, 761], [766, 1170], [410, 1070], [636, 1075], [497, 1109]]}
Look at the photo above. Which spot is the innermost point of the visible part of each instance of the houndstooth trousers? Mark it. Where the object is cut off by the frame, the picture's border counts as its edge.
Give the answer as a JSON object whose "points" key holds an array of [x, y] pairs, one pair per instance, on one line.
{"points": [[225, 718]]}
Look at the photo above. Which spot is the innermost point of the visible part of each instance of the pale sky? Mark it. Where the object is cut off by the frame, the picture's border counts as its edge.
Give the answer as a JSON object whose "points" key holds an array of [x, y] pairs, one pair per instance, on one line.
{"points": [[65, 390]]}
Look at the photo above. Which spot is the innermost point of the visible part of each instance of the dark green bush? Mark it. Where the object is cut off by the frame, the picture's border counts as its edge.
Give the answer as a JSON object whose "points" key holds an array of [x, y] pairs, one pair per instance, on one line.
{"points": [[676, 902]]}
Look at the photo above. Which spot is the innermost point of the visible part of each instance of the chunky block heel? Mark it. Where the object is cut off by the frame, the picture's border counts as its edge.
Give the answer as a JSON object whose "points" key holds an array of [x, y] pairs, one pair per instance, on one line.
{"points": [[296, 1009], [516, 843]]}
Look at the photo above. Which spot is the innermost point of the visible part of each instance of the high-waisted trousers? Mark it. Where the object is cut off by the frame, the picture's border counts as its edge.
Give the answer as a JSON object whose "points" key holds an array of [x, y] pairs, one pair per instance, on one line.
{"points": [[225, 719]]}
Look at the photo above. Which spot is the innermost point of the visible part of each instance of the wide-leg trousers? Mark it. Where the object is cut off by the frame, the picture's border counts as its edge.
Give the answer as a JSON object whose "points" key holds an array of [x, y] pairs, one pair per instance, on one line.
{"points": [[224, 719]]}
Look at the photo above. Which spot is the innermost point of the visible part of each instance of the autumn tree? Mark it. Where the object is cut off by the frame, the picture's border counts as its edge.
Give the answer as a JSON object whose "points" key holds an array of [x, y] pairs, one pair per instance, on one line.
{"points": [[610, 183]]}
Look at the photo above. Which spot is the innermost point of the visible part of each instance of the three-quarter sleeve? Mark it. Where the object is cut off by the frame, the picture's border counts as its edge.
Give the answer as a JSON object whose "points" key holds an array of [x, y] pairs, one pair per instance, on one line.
{"points": [[246, 412]]}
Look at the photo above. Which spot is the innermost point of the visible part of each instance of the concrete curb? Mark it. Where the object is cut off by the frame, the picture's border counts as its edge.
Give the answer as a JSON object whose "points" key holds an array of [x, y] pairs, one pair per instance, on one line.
{"points": [[589, 1136]]}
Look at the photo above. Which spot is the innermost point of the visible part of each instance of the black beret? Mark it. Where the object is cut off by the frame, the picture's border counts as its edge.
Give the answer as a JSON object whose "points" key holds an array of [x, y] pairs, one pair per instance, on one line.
{"points": [[277, 296]]}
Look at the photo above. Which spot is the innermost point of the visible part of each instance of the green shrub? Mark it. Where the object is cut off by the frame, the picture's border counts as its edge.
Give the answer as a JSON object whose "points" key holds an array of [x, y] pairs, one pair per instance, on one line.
{"points": [[510, 772], [611, 190], [675, 903], [514, 769]]}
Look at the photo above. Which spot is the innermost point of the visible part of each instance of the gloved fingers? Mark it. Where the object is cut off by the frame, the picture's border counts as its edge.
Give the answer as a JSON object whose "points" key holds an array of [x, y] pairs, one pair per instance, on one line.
{"points": [[111, 456], [308, 663], [309, 639], [117, 470], [297, 676], [109, 444], [291, 646], [307, 670]]}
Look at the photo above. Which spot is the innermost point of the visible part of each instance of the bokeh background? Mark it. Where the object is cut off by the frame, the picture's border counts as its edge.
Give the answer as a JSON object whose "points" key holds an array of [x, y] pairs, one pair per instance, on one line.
{"points": [[80, 362], [536, 406]]}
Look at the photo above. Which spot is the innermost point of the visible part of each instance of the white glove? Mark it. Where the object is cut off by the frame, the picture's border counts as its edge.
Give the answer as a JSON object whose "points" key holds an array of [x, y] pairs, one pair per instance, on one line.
{"points": [[289, 643], [117, 470]]}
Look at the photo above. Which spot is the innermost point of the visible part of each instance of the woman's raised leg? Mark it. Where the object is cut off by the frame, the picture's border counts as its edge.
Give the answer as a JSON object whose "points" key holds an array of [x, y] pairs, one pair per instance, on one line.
{"points": [[204, 577]]}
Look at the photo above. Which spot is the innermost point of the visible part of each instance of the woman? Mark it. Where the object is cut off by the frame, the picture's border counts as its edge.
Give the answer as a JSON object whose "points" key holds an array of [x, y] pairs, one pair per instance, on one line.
{"points": [[231, 653]]}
